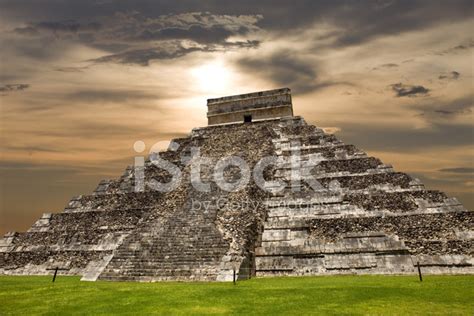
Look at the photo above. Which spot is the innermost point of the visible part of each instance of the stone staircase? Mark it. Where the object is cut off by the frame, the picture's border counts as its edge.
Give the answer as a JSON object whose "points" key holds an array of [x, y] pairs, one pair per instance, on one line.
{"points": [[366, 218], [183, 246]]}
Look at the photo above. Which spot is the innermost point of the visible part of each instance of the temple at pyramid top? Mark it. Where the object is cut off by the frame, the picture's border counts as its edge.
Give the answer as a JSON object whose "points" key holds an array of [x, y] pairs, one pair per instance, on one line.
{"points": [[250, 107]]}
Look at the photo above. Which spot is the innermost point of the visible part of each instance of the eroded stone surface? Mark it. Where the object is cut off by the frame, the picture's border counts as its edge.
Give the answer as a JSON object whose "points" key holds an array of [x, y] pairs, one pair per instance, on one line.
{"points": [[372, 220]]}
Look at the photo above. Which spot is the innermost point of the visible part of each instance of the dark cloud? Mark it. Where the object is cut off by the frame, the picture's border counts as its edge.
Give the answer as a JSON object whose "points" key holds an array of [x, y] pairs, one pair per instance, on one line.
{"points": [[452, 112], [457, 107], [399, 140], [133, 38], [107, 95], [145, 21], [31, 149], [144, 56], [168, 51], [198, 27], [241, 44], [452, 75], [359, 22], [13, 87], [458, 170], [403, 90], [389, 65], [457, 49], [355, 22], [16, 165], [284, 69], [35, 28], [463, 47], [66, 26], [70, 69], [444, 112], [197, 33], [27, 30], [201, 27], [108, 47]]}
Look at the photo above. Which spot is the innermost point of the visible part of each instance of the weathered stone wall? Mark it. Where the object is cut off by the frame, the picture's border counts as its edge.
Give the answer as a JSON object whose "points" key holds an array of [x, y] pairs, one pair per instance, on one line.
{"points": [[422, 233], [42, 262], [367, 218], [260, 105]]}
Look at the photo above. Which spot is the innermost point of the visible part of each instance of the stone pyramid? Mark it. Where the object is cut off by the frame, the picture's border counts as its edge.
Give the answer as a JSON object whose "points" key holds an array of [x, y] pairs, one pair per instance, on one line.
{"points": [[363, 217]]}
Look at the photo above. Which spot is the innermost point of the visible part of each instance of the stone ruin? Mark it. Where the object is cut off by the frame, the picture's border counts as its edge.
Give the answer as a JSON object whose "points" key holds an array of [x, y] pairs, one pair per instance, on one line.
{"points": [[366, 218]]}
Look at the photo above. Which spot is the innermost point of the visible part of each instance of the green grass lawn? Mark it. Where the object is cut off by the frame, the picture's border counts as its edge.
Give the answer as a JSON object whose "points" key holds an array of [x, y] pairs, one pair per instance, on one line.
{"points": [[393, 295]]}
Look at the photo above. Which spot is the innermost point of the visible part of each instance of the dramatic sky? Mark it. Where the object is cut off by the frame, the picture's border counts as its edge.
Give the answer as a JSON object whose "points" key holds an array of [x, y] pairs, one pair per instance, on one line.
{"points": [[81, 81]]}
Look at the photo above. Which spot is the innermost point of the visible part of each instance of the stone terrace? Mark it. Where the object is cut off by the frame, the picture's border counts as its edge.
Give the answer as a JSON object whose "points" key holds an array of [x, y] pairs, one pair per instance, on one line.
{"points": [[366, 218]]}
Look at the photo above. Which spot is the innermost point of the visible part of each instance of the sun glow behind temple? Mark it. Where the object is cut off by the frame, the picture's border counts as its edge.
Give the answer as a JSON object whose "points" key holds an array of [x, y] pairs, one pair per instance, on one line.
{"points": [[213, 77]]}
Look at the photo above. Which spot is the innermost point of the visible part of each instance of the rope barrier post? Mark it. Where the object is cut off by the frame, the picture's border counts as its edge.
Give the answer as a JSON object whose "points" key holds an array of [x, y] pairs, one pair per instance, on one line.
{"points": [[55, 273], [419, 271]]}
